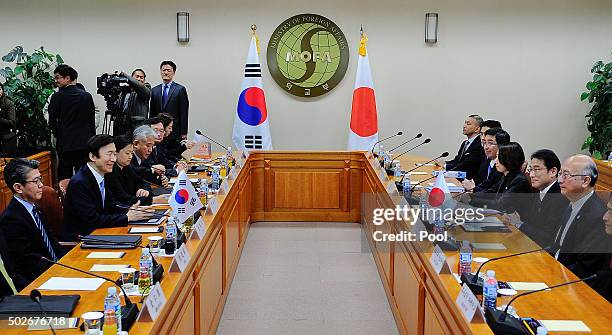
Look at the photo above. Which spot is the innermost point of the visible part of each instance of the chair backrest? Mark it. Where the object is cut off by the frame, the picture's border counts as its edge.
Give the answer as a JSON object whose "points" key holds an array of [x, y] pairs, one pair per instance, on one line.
{"points": [[51, 207], [603, 195], [63, 187]]}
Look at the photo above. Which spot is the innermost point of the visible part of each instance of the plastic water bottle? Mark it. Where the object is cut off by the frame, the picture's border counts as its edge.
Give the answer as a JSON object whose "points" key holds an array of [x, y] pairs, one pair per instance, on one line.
{"points": [[542, 330], [610, 159], [215, 178], [381, 150], [465, 258], [489, 290], [171, 235], [423, 204], [113, 303], [110, 322], [230, 157], [406, 185], [438, 223], [204, 191], [223, 168], [145, 278], [397, 170], [386, 160]]}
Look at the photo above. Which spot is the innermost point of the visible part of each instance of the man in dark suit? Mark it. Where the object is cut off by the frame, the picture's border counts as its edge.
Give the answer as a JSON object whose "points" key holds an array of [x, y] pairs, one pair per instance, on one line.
{"points": [[487, 173], [72, 120], [89, 204], [604, 285], [158, 156], [581, 236], [170, 97], [23, 226], [544, 217], [144, 140], [471, 153]]}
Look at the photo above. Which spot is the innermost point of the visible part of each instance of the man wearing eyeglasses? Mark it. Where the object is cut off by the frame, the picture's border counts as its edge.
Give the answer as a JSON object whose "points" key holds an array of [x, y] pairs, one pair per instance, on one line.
{"points": [[22, 224], [544, 219], [581, 237], [487, 174]]}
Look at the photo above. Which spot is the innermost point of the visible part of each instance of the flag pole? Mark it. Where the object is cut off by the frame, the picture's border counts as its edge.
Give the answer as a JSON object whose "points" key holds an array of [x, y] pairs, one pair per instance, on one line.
{"points": [[254, 33]]}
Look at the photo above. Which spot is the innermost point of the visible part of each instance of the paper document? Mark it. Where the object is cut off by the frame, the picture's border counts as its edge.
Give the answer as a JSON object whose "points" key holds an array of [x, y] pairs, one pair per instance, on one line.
{"points": [[565, 326], [106, 254], [488, 246], [108, 267], [72, 284], [527, 286], [144, 230]]}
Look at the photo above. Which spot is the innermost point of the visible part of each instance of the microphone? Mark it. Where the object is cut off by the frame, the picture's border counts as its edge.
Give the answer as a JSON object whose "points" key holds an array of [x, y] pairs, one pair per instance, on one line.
{"points": [[503, 323], [129, 312], [158, 269], [210, 139], [427, 140], [419, 135], [419, 183], [475, 284], [399, 133], [35, 296]]}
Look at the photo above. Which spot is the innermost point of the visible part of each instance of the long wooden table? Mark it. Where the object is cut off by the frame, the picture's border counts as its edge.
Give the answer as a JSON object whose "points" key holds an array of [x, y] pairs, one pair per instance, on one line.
{"points": [[340, 187]]}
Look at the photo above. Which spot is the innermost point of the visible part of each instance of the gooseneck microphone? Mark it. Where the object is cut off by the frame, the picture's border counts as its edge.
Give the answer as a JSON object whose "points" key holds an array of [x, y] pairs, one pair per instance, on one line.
{"points": [[210, 139], [475, 284], [35, 296], [504, 323], [129, 312], [399, 133], [427, 140], [419, 135]]}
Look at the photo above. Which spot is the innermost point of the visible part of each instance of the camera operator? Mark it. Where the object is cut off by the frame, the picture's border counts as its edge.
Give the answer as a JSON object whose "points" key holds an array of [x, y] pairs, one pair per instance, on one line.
{"points": [[134, 105]]}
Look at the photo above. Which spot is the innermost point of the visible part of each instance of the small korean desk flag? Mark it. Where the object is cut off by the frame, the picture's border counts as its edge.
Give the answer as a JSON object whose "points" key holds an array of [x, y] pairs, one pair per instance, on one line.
{"points": [[251, 123], [184, 199], [363, 133]]}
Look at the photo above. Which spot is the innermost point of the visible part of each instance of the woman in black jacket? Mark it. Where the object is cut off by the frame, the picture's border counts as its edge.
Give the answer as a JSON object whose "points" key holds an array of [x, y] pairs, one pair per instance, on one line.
{"points": [[511, 192], [8, 137], [126, 186]]}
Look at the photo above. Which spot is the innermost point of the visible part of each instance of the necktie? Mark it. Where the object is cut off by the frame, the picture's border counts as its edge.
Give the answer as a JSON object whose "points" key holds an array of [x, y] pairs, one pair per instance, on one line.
{"points": [[564, 218], [43, 234], [102, 193], [489, 171], [165, 95], [465, 147]]}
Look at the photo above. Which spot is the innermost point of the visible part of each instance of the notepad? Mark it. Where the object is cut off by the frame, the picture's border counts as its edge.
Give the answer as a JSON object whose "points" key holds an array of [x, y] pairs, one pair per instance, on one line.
{"points": [[527, 286], [144, 230], [106, 254], [488, 246], [416, 173], [565, 326], [71, 284], [108, 267], [150, 222]]}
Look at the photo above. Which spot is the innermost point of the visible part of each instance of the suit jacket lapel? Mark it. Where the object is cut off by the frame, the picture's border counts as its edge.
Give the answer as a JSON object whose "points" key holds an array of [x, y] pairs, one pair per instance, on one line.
{"points": [[23, 212], [94, 185]]}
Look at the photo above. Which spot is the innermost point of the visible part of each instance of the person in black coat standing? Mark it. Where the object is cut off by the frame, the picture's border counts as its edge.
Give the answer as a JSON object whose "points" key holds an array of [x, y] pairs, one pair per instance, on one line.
{"points": [[89, 203], [471, 152], [171, 97], [72, 121], [23, 226]]}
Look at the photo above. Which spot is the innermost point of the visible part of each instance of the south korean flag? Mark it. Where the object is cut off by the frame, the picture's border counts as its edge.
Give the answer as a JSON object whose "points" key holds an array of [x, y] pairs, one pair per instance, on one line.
{"points": [[184, 199]]}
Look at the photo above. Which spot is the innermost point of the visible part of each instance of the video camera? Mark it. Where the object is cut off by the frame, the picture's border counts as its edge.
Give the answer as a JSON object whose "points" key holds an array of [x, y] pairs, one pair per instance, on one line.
{"points": [[113, 88]]}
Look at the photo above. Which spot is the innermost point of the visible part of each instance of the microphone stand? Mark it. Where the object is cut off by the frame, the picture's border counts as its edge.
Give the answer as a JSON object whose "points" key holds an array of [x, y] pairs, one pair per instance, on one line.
{"points": [[129, 312], [419, 135], [399, 133], [35, 296], [210, 139]]}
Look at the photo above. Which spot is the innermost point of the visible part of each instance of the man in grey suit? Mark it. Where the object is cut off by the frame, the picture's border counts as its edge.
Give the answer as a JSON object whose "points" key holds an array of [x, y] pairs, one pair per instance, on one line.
{"points": [[170, 97]]}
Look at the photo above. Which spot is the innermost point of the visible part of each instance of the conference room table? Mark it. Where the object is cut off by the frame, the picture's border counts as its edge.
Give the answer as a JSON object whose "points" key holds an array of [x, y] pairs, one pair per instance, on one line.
{"points": [[333, 186]]}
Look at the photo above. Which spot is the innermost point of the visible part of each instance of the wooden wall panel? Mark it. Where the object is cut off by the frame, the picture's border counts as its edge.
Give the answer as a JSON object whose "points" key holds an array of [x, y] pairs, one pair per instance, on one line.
{"points": [[211, 284], [186, 323], [292, 189], [231, 240], [326, 189], [406, 292]]}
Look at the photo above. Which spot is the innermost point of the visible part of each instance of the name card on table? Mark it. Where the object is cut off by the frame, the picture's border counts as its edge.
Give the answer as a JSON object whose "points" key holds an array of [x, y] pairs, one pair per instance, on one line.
{"points": [[233, 174], [181, 258], [438, 260], [153, 304], [392, 189], [213, 206], [224, 188], [199, 229], [469, 305]]}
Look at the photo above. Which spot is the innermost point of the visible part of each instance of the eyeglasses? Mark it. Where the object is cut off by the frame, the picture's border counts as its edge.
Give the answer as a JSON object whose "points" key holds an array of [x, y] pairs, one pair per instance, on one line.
{"points": [[488, 144], [38, 181], [535, 169], [567, 174]]}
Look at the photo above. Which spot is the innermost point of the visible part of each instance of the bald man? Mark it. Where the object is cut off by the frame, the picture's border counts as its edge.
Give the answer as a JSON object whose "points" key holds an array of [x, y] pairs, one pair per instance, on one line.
{"points": [[581, 236]]}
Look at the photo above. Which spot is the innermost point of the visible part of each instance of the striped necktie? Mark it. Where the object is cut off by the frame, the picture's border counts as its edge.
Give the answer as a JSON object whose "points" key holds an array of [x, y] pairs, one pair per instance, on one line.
{"points": [[43, 234]]}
